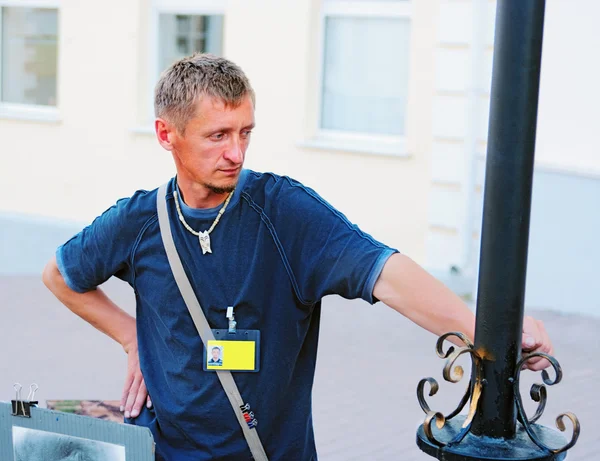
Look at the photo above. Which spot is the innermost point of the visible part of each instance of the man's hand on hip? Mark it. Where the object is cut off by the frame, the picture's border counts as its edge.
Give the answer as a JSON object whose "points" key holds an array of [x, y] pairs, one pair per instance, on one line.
{"points": [[135, 394]]}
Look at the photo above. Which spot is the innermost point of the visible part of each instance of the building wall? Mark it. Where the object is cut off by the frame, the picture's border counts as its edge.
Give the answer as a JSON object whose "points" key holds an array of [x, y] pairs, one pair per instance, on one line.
{"points": [[385, 195], [74, 168], [567, 168], [458, 133], [427, 203], [102, 147]]}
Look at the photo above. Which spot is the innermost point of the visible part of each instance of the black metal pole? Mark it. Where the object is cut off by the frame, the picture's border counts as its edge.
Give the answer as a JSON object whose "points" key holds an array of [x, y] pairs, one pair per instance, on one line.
{"points": [[490, 430], [507, 204]]}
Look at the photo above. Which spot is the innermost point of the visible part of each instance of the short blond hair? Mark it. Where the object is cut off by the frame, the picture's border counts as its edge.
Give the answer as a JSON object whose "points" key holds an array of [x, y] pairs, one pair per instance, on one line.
{"points": [[181, 84]]}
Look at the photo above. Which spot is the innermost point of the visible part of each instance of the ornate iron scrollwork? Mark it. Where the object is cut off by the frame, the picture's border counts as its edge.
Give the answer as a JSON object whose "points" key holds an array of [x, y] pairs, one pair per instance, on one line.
{"points": [[452, 374], [538, 394]]}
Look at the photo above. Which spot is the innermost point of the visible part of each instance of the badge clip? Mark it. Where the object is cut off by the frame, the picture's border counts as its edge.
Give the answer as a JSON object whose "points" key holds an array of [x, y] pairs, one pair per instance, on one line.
{"points": [[231, 317]]}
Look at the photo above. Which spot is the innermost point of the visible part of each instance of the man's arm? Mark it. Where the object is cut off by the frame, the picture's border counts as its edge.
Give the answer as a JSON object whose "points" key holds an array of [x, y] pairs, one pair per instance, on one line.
{"points": [[412, 291], [103, 314]]}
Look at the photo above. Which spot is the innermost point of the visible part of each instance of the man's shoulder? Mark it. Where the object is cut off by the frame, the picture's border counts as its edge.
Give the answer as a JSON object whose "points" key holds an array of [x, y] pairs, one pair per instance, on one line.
{"points": [[132, 212], [271, 188], [141, 201], [256, 180], [265, 178]]}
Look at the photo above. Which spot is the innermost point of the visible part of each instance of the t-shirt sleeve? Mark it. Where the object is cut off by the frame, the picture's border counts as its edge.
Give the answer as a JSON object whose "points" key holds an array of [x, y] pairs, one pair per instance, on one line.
{"points": [[100, 250], [327, 253]]}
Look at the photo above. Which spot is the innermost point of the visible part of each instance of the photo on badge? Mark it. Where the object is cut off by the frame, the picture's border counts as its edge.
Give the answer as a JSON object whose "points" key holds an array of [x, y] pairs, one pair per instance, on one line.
{"points": [[215, 358]]}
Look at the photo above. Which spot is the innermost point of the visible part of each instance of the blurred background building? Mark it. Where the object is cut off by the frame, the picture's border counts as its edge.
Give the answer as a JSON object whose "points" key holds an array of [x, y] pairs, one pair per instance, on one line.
{"points": [[381, 106]]}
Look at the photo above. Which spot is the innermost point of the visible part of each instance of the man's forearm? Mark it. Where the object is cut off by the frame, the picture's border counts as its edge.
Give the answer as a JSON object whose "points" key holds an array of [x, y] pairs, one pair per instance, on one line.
{"points": [[94, 307], [412, 291]]}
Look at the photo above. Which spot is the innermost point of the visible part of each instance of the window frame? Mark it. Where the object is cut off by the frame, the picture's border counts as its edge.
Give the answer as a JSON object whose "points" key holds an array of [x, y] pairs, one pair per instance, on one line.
{"points": [[363, 142], [21, 111], [184, 7]]}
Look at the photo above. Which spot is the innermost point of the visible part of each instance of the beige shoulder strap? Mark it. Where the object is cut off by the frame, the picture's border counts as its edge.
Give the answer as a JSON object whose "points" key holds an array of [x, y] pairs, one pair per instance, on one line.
{"points": [[204, 330]]}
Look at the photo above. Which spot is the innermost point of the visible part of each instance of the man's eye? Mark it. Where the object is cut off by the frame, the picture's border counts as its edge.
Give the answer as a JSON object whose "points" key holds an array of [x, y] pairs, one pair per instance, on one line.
{"points": [[246, 133], [217, 136]]}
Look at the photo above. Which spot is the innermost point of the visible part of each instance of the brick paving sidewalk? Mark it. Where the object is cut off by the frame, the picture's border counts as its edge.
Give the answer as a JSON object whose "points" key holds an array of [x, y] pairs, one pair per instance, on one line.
{"points": [[371, 359]]}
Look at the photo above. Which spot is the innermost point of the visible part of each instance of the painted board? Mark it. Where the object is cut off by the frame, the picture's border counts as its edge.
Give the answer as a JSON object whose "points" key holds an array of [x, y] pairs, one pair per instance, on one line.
{"points": [[107, 410], [56, 436]]}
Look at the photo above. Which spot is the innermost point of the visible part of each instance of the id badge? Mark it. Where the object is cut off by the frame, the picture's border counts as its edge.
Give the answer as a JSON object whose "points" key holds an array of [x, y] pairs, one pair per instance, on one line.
{"points": [[233, 351]]}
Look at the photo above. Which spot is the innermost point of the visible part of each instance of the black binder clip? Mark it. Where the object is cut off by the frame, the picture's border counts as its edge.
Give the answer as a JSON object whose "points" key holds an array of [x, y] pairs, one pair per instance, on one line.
{"points": [[22, 407]]}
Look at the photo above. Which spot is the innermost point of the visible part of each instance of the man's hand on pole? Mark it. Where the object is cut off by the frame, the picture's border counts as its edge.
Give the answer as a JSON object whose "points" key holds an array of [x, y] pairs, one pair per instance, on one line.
{"points": [[536, 339]]}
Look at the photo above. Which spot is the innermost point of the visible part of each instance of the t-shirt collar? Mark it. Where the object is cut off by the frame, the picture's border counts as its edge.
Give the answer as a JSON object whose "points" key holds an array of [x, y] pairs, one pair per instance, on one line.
{"points": [[203, 213]]}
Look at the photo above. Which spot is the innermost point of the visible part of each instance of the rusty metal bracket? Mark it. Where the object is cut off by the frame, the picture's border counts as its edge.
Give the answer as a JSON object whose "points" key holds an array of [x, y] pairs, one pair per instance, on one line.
{"points": [[449, 437], [453, 374], [538, 394]]}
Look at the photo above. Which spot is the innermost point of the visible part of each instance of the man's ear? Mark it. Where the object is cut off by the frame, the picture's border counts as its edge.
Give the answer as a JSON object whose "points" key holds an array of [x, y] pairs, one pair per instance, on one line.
{"points": [[165, 133]]}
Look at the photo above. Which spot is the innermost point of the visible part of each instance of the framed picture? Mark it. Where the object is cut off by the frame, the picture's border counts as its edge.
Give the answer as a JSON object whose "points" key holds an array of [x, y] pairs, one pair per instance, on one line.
{"points": [[56, 436]]}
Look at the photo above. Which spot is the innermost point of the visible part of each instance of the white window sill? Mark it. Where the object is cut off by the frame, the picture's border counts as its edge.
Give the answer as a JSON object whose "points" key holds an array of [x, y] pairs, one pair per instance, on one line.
{"points": [[29, 113], [373, 146]]}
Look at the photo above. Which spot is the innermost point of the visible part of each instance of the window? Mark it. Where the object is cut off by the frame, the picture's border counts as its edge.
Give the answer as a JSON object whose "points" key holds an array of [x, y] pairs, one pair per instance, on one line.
{"points": [[179, 28], [183, 34], [183, 27], [28, 55], [364, 69]]}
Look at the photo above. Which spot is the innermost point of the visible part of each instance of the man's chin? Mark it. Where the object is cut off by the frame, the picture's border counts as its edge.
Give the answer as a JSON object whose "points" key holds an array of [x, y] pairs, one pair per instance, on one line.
{"points": [[222, 188]]}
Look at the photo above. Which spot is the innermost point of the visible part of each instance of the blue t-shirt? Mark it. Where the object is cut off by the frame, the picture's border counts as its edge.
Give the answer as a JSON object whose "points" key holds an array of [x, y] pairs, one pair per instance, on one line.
{"points": [[277, 250]]}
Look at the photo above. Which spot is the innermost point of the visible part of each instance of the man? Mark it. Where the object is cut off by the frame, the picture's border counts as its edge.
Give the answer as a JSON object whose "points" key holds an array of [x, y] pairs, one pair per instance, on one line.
{"points": [[216, 357], [264, 244]]}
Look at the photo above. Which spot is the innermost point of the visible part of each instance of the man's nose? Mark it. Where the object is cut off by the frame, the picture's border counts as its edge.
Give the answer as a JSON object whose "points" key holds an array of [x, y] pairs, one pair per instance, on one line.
{"points": [[234, 152]]}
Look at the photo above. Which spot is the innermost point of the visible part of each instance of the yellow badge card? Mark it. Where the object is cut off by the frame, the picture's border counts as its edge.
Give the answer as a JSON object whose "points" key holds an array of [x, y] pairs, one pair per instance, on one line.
{"points": [[233, 351], [231, 355]]}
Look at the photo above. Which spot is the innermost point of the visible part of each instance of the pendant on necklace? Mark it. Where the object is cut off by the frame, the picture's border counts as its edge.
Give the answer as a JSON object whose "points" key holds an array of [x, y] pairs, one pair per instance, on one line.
{"points": [[204, 239]]}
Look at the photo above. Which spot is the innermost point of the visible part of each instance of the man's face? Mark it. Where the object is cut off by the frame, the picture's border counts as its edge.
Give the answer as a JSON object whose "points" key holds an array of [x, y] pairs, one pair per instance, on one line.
{"points": [[212, 150], [215, 354]]}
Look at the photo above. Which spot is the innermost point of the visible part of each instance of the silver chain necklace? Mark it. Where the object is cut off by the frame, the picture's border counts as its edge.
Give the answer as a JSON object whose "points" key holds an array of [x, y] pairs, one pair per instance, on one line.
{"points": [[203, 237]]}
